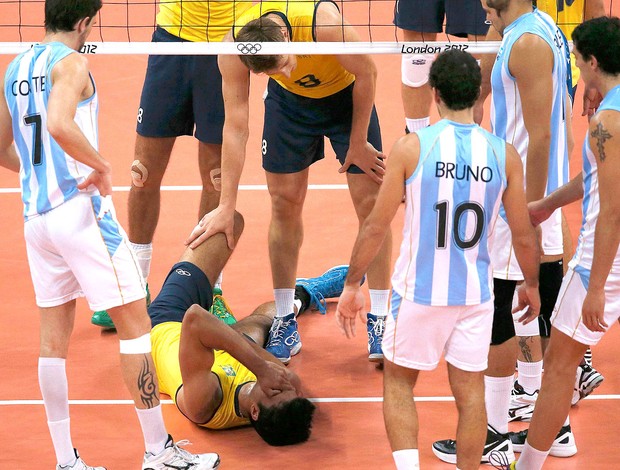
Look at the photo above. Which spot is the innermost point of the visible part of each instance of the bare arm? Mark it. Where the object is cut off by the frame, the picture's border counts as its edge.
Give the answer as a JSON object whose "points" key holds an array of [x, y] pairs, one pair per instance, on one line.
{"points": [[235, 89], [541, 210], [330, 27], [604, 133], [70, 84], [8, 155], [531, 63], [524, 238], [594, 9], [201, 333], [486, 66], [403, 159]]}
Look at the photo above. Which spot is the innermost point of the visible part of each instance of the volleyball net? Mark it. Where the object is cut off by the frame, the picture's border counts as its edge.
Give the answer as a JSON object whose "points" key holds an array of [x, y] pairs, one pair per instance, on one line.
{"points": [[126, 26]]}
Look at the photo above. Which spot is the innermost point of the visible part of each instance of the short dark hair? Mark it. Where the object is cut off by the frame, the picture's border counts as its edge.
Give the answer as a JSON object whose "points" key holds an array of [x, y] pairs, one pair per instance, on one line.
{"points": [[600, 37], [62, 15], [498, 5], [260, 30], [285, 423], [456, 76]]}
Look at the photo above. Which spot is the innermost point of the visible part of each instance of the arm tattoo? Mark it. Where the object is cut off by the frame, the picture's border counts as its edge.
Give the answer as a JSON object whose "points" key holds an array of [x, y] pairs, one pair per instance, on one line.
{"points": [[601, 135], [147, 386], [525, 348]]}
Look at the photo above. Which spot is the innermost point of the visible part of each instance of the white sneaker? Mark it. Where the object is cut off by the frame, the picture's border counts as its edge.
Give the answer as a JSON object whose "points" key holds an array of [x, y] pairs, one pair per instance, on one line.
{"points": [[78, 465], [586, 380], [174, 457]]}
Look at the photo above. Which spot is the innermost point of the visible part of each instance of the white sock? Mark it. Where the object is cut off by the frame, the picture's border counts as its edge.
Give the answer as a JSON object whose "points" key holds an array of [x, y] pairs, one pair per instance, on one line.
{"points": [[297, 305], [417, 124], [406, 459], [531, 459], [566, 421], [530, 375], [218, 282], [379, 300], [144, 253], [285, 299], [55, 392], [497, 401], [153, 429]]}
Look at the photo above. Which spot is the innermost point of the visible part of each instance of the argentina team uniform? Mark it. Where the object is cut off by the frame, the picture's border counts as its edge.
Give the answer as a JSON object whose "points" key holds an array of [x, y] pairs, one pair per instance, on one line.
{"points": [[71, 253], [567, 312], [507, 123], [442, 300], [452, 202]]}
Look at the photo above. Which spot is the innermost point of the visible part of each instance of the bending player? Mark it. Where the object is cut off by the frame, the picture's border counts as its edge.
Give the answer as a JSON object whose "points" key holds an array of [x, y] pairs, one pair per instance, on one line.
{"points": [[309, 97], [220, 376]]}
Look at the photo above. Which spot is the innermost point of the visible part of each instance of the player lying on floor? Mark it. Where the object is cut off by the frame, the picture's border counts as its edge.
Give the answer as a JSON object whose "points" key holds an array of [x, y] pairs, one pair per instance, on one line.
{"points": [[219, 375]]}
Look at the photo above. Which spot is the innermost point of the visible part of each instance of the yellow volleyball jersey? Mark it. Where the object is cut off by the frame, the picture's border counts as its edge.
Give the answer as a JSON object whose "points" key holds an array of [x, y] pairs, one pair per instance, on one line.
{"points": [[165, 340], [200, 21], [316, 76], [567, 15]]}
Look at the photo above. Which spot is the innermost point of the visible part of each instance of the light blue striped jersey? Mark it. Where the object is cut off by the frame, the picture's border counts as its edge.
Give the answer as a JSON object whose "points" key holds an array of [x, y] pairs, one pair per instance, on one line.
{"points": [[48, 175], [591, 202], [506, 110], [453, 198]]}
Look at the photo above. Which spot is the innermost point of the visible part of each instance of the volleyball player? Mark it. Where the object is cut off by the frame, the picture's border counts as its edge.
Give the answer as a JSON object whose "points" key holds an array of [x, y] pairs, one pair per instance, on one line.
{"points": [[588, 303], [74, 243], [220, 376], [455, 175], [182, 95], [309, 97], [529, 108], [421, 20]]}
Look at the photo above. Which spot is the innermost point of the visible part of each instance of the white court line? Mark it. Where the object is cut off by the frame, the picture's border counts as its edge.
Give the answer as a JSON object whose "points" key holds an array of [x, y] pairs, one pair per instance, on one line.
{"points": [[315, 400], [242, 187]]}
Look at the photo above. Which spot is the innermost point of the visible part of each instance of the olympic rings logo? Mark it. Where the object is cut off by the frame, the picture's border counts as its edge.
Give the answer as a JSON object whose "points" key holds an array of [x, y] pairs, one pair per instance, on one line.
{"points": [[182, 272], [248, 47]]}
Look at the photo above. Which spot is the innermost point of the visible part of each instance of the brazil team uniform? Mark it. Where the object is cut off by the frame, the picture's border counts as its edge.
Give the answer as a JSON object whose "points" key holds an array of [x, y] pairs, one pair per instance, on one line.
{"points": [[71, 254], [183, 92], [186, 285], [443, 281], [567, 312], [316, 101], [462, 17]]}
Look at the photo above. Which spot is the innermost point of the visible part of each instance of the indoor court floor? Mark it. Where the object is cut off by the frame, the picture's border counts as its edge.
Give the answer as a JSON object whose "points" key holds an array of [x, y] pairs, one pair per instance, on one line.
{"points": [[348, 431]]}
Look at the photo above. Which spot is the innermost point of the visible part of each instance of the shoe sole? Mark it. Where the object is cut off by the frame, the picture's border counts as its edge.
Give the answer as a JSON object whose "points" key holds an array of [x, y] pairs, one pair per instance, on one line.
{"points": [[376, 357], [294, 352], [451, 458]]}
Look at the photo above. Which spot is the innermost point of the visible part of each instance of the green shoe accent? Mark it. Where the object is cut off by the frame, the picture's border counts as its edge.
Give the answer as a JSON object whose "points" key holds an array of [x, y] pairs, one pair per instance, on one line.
{"points": [[221, 309], [102, 319]]}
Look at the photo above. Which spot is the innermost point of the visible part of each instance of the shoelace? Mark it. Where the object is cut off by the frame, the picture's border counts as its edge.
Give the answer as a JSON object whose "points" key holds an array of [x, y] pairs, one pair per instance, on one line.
{"points": [[317, 299], [499, 460], [277, 332], [378, 326], [182, 453]]}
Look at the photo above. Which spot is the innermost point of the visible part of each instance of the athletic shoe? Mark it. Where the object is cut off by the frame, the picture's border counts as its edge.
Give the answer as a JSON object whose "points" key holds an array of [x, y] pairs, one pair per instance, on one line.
{"points": [[496, 443], [221, 309], [284, 340], [174, 457], [78, 465], [563, 444], [327, 285], [102, 318], [521, 403], [586, 380], [375, 326], [499, 460]]}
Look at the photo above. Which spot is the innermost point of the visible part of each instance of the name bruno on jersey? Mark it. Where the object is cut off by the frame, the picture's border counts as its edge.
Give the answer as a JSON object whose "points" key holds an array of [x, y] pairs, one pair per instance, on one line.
{"points": [[457, 171]]}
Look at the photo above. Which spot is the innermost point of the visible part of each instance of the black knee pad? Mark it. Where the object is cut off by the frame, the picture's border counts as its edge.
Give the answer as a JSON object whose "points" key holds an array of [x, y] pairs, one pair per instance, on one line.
{"points": [[503, 326], [549, 283]]}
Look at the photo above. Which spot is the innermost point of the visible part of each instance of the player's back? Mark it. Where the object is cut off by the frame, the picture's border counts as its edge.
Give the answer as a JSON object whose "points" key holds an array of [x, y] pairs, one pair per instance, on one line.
{"points": [[506, 108], [452, 203], [48, 175]]}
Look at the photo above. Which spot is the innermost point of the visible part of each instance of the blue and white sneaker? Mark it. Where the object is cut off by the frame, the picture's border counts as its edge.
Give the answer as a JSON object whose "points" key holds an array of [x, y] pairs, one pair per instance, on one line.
{"points": [[284, 340], [328, 285], [375, 326]]}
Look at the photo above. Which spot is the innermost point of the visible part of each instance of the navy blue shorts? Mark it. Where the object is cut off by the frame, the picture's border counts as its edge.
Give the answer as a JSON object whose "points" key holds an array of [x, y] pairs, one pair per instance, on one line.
{"points": [[184, 286], [295, 127], [181, 92], [462, 17]]}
